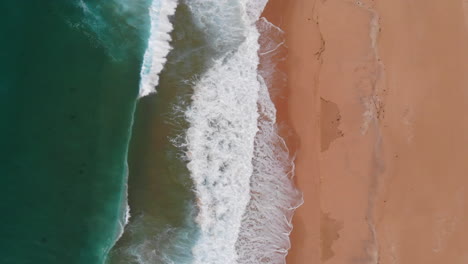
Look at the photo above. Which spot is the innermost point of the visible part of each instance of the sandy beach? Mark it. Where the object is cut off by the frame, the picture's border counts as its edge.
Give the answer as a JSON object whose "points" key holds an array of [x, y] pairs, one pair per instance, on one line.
{"points": [[377, 96]]}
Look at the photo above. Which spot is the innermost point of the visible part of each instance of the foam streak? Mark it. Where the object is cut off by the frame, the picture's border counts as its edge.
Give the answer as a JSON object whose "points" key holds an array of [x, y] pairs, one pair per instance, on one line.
{"points": [[158, 44]]}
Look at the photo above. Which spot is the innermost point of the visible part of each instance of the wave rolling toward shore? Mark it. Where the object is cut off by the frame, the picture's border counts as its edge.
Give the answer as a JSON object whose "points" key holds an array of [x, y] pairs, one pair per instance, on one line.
{"points": [[240, 167]]}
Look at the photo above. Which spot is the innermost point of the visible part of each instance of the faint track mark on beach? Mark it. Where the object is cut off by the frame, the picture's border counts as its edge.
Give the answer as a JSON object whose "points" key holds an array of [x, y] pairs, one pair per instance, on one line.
{"points": [[375, 102], [447, 220], [316, 19], [373, 81], [465, 13], [374, 92], [408, 121], [393, 248]]}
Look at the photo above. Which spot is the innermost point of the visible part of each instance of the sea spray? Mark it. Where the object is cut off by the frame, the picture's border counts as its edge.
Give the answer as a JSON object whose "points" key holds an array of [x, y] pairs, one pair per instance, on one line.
{"points": [[158, 44]]}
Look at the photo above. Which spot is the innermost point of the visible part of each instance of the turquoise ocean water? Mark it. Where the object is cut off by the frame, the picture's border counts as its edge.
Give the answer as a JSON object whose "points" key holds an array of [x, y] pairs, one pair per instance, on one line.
{"points": [[68, 88]]}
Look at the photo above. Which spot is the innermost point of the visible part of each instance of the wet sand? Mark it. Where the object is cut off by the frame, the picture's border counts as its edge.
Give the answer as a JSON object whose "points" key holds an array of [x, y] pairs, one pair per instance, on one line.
{"points": [[378, 95]]}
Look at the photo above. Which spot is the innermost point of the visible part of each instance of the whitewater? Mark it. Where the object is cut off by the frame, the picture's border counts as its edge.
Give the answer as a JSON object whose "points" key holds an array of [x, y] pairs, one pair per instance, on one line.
{"points": [[158, 44], [240, 166]]}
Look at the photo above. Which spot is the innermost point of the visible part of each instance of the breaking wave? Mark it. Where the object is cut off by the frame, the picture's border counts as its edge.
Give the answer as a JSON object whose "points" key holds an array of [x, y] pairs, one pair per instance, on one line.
{"points": [[158, 44], [241, 167]]}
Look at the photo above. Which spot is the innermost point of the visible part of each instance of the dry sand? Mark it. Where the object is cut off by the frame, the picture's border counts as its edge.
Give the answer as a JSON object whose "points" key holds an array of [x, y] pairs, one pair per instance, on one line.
{"points": [[378, 97]]}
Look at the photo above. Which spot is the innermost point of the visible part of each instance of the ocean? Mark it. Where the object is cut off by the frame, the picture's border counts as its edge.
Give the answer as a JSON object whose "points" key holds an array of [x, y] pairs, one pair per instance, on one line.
{"points": [[67, 100], [142, 132]]}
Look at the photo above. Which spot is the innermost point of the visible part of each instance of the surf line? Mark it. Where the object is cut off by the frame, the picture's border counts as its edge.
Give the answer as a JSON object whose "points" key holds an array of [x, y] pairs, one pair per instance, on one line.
{"points": [[158, 45], [240, 166]]}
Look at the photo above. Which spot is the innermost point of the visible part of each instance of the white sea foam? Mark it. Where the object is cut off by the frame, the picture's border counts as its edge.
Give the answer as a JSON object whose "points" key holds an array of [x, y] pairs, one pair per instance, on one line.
{"points": [[254, 9], [223, 119], [264, 234], [221, 21], [240, 166], [158, 44], [265, 229]]}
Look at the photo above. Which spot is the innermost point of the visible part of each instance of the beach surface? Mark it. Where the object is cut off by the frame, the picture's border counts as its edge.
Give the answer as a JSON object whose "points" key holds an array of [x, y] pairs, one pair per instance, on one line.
{"points": [[376, 96]]}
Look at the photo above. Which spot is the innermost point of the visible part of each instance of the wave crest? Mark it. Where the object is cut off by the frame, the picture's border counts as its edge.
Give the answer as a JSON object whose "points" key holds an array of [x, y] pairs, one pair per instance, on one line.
{"points": [[158, 44]]}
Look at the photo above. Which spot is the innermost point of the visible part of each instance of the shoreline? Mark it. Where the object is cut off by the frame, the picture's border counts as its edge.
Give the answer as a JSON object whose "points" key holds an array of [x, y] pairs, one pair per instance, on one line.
{"points": [[293, 107], [375, 96]]}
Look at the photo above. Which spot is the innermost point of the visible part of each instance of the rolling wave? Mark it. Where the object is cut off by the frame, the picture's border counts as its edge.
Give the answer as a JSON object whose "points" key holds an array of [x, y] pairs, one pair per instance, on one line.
{"points": [[158, 44]]}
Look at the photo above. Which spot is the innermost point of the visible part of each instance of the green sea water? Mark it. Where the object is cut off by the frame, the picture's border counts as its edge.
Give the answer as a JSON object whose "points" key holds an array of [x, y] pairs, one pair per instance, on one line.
{"points": [[161, 198], [68, 88]]}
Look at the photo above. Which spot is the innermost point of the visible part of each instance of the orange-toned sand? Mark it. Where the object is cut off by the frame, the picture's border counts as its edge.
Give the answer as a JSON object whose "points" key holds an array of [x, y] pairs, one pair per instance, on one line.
{"points": [[378, 96]]}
